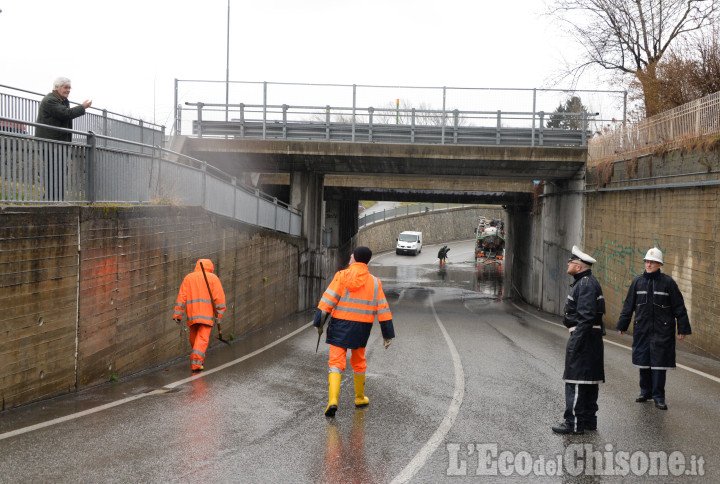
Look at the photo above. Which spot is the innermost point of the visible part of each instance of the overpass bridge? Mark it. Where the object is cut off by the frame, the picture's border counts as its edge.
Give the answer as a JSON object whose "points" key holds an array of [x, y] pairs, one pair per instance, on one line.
{"points": [[325, 180], [321, 150]]}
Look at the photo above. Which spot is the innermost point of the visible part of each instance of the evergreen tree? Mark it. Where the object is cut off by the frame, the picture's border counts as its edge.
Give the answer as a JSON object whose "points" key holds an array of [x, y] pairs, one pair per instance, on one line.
{"points": [[559, 118]]}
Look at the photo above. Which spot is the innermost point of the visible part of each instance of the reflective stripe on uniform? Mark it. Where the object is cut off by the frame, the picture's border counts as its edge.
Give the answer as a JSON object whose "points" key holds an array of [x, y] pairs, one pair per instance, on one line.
{"points": [[204, 318], [597, 326]]}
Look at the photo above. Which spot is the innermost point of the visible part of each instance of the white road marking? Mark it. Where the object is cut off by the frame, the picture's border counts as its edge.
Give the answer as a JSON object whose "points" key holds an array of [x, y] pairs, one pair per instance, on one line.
{"points": [[427, 450], [686, 368], [169, 386]]}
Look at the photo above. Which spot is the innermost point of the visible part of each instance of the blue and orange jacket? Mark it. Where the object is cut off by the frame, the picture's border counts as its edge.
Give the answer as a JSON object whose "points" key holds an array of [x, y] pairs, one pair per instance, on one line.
{"points": [[354, 299], [194, 299]]}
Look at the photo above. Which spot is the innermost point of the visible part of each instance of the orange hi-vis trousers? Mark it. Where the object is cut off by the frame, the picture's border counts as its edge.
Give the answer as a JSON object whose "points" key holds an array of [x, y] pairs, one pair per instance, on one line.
{"points": [[338, 359], [199, 339]]}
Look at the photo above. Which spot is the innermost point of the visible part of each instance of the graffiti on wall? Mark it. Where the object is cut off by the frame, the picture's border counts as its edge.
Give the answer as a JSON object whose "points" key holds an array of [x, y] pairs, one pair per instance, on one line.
{"points": [[618, 264]]}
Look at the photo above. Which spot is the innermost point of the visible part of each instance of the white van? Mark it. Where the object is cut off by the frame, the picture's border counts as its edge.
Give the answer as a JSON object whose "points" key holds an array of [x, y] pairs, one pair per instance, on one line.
{"points": [[409, 243]]}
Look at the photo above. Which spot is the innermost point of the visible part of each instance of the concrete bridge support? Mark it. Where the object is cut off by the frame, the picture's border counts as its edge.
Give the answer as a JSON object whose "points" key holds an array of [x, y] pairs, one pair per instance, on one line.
{"points": [[306, 194]]}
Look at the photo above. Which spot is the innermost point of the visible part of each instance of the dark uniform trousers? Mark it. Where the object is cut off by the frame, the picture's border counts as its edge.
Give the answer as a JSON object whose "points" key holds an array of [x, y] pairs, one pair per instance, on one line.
{"points": [[652, 383], [581, 405]]}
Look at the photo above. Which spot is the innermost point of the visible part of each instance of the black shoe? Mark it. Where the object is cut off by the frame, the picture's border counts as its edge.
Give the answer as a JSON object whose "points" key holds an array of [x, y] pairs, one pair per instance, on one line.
{"points": [[642, 398], [565, 428], [661, 405]]}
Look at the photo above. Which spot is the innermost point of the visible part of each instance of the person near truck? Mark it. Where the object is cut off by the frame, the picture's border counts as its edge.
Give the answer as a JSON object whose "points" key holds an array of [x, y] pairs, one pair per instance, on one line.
{"points": [[352, 301], [202, 298], [584, 364], [659, 309]]}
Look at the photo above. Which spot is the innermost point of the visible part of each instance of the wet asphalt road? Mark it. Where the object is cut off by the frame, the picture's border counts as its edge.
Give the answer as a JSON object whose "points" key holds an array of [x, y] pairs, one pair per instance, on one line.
{"points": [[470, 373]]}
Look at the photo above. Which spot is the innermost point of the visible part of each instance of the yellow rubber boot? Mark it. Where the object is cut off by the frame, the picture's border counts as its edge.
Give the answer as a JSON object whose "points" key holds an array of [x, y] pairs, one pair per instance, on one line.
{"points": [[360, 399], [333, 392]]}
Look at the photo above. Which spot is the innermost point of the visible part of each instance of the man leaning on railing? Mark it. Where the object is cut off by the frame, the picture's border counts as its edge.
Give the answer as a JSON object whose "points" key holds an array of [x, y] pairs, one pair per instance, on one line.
{"points": [[55, 111]]}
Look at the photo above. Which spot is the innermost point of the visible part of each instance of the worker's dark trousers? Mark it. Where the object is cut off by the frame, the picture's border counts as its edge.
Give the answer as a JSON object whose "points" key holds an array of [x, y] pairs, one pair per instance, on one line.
{"points": [[652, 383], [581, 405]]}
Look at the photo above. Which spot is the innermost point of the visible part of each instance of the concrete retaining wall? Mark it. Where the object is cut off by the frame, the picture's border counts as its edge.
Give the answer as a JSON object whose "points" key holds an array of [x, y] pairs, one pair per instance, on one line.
{"points": [[682, 219], [88, 293]]}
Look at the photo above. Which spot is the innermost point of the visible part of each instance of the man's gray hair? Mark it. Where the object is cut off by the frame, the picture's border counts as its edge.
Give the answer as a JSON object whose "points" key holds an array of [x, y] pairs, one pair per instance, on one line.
{"points": [[60, 82]]}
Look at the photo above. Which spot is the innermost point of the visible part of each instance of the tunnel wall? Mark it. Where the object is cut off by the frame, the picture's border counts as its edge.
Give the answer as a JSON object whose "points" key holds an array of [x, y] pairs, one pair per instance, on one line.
{"points": [[88, 293]]}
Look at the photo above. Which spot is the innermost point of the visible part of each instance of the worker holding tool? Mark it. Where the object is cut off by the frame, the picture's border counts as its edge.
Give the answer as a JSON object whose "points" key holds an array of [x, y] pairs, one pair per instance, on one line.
{"points": [[202, 297], [352, 302]]}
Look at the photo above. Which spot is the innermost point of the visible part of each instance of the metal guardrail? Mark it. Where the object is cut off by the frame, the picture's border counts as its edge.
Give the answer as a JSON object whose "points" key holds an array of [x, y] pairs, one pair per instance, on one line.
{"points": [[463, 127], [362, 113], [366, 219], [23, 105], [693, 120], [34, 170]]}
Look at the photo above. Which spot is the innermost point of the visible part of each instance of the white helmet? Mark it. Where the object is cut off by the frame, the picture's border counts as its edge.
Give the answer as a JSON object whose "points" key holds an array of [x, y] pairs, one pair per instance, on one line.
{"points": [[654, 254]]}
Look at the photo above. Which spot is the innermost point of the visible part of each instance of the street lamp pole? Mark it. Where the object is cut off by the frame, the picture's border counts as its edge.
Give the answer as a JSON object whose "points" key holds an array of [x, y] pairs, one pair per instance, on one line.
{"points": [[227, 65]]}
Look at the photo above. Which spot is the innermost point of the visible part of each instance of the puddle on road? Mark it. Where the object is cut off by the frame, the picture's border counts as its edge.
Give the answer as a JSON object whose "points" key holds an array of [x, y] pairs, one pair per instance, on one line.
{"points": [[487, 280]]}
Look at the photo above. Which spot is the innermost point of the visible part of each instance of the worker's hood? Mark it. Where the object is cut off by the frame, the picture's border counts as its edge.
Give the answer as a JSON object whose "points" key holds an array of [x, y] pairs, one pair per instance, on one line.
{"points": [[207, 264], [356, 275]]}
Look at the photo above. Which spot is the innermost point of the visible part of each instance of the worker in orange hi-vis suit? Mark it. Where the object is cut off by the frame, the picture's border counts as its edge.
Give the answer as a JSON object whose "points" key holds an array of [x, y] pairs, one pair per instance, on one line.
{"points": [[353, 300], [203, 299]]}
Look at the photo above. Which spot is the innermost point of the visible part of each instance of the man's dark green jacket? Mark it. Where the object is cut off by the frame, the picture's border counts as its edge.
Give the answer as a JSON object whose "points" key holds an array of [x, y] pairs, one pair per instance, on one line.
{"points": [[56, 111]]}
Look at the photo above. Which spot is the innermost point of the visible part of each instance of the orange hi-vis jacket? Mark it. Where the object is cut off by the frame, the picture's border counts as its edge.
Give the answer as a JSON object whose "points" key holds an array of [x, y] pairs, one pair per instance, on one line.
{"points": [[354, 298], [194, 298]]}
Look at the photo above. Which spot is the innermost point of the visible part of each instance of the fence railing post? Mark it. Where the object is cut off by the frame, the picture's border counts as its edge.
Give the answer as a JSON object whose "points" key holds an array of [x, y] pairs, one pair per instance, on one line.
{"points": [[532, 136], [412, 126], [456, 120], [284, 119], [370, 123], [91, 152], [105, 126], [264, 123], [242, 120], [353, 112], [442, 132], [199, 119], [497, 130], [327, 122]]}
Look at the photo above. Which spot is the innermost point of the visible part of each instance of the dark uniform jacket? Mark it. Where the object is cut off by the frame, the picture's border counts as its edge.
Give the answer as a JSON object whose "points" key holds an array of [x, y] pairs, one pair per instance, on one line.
{"points": [[56, 111], [584, 310], [658, 305]]}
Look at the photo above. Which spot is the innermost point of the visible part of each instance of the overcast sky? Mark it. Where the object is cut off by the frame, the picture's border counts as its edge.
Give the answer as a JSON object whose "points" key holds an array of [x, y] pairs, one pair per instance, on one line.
{"points": [[125, 55]]}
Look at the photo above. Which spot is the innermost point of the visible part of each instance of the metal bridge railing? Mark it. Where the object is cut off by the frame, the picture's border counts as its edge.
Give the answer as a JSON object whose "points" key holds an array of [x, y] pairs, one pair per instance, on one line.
{"points": [[102, 169], [370, 125], [372, 113], [23, 105], [366, 219]]}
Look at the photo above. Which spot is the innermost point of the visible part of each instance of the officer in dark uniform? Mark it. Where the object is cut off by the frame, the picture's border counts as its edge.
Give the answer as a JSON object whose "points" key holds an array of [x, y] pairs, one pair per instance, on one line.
{"points": [[659, 308], [584, 367]]}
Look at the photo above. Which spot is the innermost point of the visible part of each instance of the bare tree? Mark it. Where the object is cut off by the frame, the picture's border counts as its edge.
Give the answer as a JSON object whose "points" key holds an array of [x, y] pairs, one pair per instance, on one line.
{"points": [[631, 36], [688, 71]]}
